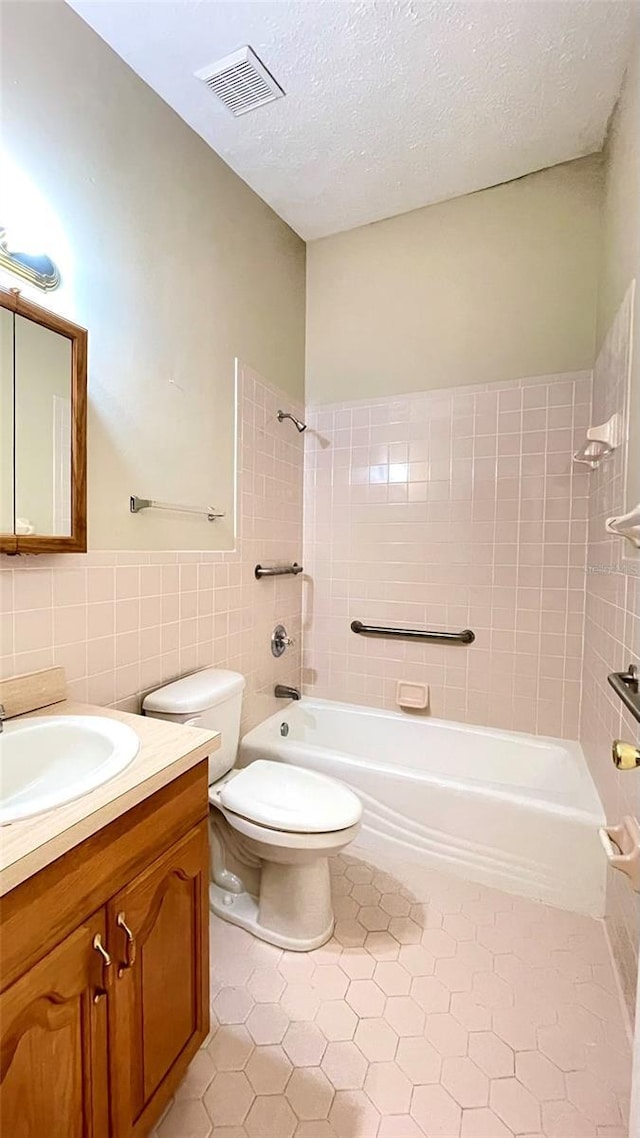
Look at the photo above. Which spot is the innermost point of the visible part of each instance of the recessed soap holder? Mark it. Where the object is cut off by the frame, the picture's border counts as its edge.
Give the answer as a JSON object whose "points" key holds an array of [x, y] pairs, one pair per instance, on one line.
{"points": [[622, 847], [412, 696], [601, 441]]}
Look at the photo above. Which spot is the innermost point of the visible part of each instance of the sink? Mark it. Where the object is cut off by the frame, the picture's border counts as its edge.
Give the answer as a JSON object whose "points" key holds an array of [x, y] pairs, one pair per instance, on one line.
{"points": [[47, 761]]}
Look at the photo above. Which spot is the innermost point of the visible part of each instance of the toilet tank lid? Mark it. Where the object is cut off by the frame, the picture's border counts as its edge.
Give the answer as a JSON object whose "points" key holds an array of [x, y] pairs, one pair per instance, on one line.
{"points": [[197, 692]]}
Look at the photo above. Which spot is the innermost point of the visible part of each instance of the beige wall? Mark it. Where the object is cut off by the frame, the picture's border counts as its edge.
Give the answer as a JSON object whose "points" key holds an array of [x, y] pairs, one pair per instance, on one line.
{"points": [[173, 264], [496, 285], [620, 255]]}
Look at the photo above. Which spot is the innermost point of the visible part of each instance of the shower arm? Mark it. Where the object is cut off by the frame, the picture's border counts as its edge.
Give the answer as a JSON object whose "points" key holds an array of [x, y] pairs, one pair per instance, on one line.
{"points": [[299, 425]]}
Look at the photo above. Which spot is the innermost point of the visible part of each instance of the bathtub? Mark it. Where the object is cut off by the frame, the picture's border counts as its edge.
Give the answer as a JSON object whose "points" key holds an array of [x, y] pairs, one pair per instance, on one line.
{"points": [[514, 811]]}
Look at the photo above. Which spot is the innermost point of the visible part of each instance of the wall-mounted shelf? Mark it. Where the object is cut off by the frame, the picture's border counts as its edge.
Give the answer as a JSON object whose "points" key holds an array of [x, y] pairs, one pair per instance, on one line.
{"points": [[601, 441]]}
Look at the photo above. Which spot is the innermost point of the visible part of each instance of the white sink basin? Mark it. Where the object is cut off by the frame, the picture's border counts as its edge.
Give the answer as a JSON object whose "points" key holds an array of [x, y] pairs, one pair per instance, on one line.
{"points": [[47, 761]]}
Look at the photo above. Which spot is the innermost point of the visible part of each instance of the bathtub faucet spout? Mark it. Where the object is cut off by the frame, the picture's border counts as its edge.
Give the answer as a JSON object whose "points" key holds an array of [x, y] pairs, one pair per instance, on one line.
{"points": [[281, 691]]}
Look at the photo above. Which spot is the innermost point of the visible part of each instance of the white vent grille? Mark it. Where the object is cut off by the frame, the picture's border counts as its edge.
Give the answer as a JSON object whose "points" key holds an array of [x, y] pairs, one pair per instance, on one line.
{"points": [[240, 81]]}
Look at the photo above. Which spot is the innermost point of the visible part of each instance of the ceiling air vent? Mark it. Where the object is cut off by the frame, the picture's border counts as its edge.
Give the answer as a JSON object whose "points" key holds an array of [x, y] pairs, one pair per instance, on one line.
{"points": [[240, 81]]}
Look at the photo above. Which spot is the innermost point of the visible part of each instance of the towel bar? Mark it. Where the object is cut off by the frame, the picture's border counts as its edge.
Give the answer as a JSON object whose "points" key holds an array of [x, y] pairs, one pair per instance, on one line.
{"points": [[136, 504]]}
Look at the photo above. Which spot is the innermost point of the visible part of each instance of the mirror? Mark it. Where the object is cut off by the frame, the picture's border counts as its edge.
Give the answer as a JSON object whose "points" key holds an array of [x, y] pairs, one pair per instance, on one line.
{"points": [[42, 415], [42, 430], [6, 421]]}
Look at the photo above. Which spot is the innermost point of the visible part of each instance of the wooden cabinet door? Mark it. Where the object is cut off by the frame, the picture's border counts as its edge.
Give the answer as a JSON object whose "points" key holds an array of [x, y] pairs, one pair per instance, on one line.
{"points": [[53, 1043], [159, 1015]]}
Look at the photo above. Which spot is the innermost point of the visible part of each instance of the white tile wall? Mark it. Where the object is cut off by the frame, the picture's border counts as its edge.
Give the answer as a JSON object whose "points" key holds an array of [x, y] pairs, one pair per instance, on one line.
{"points": [[452, 509]]}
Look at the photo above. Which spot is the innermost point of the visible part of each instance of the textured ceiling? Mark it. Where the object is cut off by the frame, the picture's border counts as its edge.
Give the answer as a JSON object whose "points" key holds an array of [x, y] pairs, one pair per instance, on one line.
{"points": [[390, 105]]}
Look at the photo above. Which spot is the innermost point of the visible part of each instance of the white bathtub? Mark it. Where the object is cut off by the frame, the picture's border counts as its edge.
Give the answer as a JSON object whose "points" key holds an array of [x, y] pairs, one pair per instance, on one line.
{"points": [[514, 811]]}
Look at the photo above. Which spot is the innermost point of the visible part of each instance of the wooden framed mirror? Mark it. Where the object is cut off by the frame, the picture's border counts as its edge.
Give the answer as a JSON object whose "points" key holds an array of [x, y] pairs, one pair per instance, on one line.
{"points": [[43, 429]]}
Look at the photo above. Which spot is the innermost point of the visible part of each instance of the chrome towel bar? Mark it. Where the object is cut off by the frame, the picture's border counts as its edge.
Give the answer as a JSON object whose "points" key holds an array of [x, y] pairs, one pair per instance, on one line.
{"points": [[136, 504], [625, 685], [464, 637], [277, 570]]}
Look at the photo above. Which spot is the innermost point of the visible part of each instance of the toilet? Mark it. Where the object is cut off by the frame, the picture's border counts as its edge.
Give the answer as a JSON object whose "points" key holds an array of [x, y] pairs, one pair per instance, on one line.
{"points": [[273, 826]]}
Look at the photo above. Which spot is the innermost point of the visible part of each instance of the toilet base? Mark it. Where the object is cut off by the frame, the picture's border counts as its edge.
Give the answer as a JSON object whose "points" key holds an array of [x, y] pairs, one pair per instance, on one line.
{"points": [[242, 909]]}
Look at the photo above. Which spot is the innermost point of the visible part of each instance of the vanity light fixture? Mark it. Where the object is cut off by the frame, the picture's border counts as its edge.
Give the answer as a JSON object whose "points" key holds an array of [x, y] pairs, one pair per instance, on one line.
{"points": [[36, 268]]}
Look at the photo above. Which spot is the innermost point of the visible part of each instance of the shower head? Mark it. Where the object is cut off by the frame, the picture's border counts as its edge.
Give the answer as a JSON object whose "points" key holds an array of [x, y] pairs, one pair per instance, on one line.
{"points": [[300, 426]]}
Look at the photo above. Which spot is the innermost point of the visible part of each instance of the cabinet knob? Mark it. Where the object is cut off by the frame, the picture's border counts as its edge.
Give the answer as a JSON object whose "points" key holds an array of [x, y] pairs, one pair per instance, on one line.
{"points": [[131, 944]]}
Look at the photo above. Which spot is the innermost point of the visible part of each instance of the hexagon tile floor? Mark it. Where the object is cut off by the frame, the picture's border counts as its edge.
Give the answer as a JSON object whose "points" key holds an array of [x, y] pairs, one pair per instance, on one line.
{"points": [[440, 1009]]}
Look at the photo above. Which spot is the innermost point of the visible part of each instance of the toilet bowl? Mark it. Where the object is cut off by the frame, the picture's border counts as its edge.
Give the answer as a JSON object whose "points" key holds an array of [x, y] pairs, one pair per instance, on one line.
{"points": [[272, 825]]}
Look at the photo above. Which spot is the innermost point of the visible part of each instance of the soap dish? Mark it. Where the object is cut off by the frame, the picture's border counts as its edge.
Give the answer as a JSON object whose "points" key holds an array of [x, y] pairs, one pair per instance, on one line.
{"points": [[601, 441], [622, 847]]}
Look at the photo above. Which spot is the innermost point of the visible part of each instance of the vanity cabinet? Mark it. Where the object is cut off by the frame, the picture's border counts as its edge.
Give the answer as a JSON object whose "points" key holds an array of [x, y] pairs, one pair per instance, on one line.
{"points": [[158, 929], [105, 973], [53, 1057]]}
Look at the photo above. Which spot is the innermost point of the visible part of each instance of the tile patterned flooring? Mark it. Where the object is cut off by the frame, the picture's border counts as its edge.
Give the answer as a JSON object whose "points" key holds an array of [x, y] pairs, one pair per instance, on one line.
{"points": [[439, 1009]]}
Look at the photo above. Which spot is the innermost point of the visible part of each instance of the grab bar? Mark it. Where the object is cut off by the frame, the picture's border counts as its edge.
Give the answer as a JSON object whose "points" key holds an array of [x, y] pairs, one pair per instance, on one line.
{"points": [[625, 685], [464, 637], [277, 570]]}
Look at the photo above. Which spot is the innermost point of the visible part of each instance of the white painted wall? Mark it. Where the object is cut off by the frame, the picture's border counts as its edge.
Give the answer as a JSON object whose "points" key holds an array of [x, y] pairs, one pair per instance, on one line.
{"points": [[500, 284], [172, 263]]}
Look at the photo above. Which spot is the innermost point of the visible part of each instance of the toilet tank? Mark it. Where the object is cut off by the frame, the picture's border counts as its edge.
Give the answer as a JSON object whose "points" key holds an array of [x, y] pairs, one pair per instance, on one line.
{"points": [[212, 699]]}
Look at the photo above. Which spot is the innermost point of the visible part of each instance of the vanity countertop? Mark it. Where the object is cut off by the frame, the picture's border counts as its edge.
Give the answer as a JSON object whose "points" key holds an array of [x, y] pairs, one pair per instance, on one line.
{"points": [[167, 750]]}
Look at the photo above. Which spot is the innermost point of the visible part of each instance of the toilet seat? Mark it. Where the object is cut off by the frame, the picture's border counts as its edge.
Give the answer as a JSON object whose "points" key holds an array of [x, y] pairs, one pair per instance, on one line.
{"points": [[289, 799]]}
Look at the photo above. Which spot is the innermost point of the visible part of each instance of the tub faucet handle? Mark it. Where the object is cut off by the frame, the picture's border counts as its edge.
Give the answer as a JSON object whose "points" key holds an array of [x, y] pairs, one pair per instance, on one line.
{"points": [[626, 756], [280, 640]]}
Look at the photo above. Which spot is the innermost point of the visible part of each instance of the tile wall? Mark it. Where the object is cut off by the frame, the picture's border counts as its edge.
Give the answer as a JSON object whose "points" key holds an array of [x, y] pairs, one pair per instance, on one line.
{"points": [[452, 509], [123, 623], [612, 640]]}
